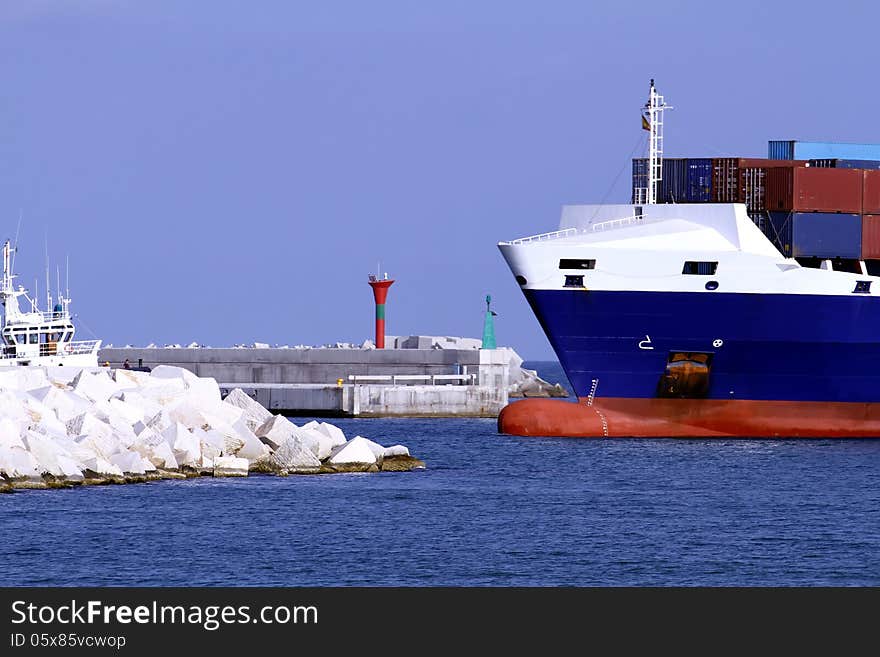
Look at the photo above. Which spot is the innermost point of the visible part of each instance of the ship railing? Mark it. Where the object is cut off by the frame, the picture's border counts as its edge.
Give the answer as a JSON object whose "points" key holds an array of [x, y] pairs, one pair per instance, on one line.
{"points": [[39, 316], [568, 232], [12, 351], [617, 223], [556, 234], [51, 316], [413, 379]]}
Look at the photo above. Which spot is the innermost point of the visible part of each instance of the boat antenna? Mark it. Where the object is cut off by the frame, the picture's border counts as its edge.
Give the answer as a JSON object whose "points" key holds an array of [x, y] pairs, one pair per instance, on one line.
{"points": [[652, 121], [67, 277], [58, 285], [15, 247], [36, 294], [48, 285]]}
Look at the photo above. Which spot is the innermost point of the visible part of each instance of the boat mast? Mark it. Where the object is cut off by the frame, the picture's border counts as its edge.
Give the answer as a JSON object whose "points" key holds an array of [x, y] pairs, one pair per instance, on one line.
{"points": [[48, 285], [654, 117], [7, 267], [8, 294]]}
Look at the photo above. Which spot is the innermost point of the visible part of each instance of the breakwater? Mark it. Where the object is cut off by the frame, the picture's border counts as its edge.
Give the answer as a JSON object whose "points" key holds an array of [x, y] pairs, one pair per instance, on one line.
{"points": [[63, 426], [422, 376]]}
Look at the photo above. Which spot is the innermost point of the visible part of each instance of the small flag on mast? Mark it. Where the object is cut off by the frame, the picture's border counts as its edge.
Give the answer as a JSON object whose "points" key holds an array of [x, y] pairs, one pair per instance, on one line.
{"points": [[645, 124]]}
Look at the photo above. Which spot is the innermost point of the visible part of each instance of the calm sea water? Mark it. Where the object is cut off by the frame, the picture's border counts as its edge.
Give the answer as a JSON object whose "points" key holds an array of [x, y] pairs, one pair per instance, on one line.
{"points": [[489, 510]]}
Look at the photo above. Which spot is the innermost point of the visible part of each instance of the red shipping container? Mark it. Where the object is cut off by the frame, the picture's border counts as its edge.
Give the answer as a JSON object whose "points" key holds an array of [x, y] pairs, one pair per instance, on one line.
{"points": [[744, 180], [871, 237], [871, 192], [814, 190]]}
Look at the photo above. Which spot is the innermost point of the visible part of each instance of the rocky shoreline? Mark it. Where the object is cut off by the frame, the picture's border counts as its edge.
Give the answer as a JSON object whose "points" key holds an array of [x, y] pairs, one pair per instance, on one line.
{"points": [[65, 427]]}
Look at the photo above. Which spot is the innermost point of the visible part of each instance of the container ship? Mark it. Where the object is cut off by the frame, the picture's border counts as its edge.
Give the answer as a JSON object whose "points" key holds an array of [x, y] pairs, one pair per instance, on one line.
{"points": [[731, 297]]}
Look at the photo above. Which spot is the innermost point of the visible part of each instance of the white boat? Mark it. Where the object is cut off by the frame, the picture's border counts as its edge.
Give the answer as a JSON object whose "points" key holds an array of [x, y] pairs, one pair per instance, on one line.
{"points": [[36, 337]]}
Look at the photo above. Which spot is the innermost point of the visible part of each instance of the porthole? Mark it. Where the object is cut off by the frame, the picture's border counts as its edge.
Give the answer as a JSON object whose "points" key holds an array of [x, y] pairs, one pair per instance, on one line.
{"points": [[712, 285], [521, 279]]}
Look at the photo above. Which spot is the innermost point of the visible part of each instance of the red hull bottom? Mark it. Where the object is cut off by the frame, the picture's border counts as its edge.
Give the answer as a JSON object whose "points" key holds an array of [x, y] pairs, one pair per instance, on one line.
{"points": [[690, 418]]}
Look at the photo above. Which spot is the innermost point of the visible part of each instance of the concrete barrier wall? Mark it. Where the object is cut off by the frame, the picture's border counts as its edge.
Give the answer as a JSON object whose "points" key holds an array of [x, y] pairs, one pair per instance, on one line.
{"points": [[304, 381], [298, 365], [414, 401]]}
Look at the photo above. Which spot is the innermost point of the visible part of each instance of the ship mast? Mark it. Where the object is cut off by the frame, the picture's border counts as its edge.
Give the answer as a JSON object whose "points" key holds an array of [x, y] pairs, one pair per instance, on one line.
{"points": [[8, 293], [654, 116]]}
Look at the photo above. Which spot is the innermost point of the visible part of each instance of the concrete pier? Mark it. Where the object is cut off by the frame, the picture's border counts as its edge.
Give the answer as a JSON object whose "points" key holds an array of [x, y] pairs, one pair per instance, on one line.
{"points": [[350, 381]]}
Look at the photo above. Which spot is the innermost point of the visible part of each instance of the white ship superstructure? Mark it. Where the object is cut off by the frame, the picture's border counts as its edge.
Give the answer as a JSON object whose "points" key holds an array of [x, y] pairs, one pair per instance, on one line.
{"points": [[37, 337]]}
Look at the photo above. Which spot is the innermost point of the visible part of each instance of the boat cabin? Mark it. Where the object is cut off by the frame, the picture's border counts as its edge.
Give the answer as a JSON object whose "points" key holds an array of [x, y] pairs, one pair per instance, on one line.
{"points": [[38, 339]]}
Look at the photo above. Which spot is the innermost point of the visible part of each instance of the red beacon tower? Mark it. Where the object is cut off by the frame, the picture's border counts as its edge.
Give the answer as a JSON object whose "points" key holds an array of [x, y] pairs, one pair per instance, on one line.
{"points": [[380, 293]]}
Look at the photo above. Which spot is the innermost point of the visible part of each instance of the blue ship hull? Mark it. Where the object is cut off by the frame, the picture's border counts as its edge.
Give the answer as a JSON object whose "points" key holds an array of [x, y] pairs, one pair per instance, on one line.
{"points": [[767, 347]]}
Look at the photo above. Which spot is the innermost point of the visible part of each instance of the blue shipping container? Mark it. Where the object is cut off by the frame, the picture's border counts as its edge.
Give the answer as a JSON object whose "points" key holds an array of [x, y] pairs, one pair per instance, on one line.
{"points": [[678, 184], [674, 184], [817, 150], [816, 234], [640, 177], [699, 180], [834, 163]]}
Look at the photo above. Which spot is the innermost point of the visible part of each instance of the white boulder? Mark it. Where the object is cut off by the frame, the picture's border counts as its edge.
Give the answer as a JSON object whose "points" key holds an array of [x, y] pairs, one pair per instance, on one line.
{"points": [[129, 462], [51, 458], [158, 422], [162, 456], [274, 431], [334, 433], [187, 413], [66, 404], [357, 450], [10, 433], [230, 466], [254, 413], [222, 413], [88, 424], [79, 451], [103, 445], [131, 379], [187, 449], [17, 462], [153, 447], [292, 455], [23, 378], [101, 466], [129, 412], [12, 406], [50, 425], [148, 407], [376, 448], [95, 386], [252, 448]]}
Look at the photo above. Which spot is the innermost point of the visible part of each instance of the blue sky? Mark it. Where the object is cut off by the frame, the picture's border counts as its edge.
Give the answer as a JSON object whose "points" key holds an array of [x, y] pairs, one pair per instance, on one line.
{"points": [[230, 172]]}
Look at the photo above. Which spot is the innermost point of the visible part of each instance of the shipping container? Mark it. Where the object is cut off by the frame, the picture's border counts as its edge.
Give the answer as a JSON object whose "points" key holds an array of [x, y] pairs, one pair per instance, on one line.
{"points": [[817, 234], [770, 225], [871, 237], [806, 189], [871, 192], [744, 180], [725, 180], [640, 178], [752, 186], [834, 163], [762, 221], [673, 186], [816, 150], [699, 180]]}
